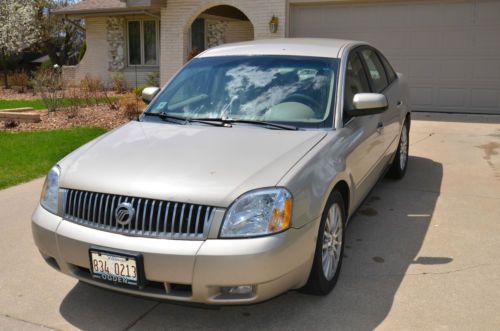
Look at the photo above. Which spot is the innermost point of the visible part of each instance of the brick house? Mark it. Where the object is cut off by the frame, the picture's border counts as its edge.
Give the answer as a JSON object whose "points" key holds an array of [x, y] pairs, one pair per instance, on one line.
{"points": [[448, 49]]}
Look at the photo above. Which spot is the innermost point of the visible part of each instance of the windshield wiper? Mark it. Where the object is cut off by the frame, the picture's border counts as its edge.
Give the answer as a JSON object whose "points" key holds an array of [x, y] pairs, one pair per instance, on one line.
{"points": [[264, 123], [181, 120], [223, 122], [219, 121], [169, 118]]}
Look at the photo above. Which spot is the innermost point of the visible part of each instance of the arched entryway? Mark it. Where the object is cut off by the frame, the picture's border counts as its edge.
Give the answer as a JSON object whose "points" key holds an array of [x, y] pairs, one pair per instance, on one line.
{"points": [[218, 25]]}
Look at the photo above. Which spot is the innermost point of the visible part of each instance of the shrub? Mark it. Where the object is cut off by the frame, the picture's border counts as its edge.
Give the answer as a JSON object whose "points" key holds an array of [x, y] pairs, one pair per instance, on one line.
{"points": [[11, 124], [49, 83], [153, 79], [130, 106], [91, 84], [20, 80], [138, 90], [74, 102], [91, 88], [119, 83], [47, 64]]}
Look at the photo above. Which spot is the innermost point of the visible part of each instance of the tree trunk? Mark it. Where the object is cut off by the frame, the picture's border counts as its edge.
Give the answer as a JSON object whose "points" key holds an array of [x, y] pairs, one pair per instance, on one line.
{"points": [[3, 61]]}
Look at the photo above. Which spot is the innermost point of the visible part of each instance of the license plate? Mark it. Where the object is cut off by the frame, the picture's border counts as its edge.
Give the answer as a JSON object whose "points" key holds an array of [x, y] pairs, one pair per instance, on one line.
{"points": [[115, 268]]}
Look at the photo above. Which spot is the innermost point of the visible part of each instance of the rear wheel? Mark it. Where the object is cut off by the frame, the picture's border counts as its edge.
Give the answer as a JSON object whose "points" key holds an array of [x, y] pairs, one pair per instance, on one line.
{"points": [[400, 163], [329, 248]]}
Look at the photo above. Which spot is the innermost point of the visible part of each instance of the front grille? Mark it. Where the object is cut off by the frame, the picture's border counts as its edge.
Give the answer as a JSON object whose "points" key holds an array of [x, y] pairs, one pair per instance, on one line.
{"points": [[152, 218]]}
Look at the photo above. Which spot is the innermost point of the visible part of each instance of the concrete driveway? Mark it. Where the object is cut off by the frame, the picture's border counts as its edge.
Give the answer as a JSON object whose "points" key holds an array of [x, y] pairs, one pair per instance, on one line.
{"points": [[422, 253]]}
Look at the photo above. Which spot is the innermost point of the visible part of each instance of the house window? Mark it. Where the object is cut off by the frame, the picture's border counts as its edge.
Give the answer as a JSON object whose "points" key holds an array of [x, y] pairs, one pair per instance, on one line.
{"points": [[143, 42]]}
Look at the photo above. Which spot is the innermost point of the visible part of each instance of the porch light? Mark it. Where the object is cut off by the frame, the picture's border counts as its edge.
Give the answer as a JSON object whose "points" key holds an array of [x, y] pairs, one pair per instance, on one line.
{"points": [[273, 24]]}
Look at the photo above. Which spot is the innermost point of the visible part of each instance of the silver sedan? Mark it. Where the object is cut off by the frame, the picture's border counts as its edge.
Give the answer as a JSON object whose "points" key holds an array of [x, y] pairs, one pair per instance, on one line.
{"points": [[237, 182]]}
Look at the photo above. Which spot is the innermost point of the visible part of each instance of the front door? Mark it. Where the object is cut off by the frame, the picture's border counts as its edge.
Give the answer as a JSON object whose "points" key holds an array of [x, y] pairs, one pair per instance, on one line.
{"points": [[367, 143]]}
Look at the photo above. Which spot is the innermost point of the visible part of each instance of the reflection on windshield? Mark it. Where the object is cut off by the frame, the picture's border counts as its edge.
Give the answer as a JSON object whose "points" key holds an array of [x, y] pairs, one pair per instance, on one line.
{"points": [[298, 90]]}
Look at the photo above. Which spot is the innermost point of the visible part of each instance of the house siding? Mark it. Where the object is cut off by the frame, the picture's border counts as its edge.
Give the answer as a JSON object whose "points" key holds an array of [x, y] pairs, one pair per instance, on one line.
{"points": [[238, 31], [95, 61]]}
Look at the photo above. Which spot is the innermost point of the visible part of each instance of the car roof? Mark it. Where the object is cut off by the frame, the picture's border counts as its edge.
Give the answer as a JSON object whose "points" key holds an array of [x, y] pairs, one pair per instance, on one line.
{"points": [[317, 47]]}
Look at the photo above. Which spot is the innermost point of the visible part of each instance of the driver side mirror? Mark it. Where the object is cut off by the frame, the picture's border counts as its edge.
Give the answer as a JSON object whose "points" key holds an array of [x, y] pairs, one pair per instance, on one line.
{"points": [[368, 104], [149, 93]]}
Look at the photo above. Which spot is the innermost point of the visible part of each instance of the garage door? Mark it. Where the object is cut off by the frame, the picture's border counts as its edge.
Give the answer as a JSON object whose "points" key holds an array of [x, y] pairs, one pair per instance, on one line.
{"points": [[449, 50]]}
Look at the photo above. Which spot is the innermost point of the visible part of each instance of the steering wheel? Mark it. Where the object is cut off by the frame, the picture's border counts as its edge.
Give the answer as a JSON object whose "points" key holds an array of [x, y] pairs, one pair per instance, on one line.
{"points": [[302, 98]]}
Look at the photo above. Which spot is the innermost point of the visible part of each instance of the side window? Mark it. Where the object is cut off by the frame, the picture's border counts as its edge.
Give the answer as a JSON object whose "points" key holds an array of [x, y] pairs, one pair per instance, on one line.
{"points": [[392, 76], [376, 70], [356, 80]]}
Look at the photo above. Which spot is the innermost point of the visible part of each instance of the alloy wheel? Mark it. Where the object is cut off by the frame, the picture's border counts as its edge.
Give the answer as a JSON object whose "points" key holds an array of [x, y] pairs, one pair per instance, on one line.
{"points": [[403, 149], [332, 242]]}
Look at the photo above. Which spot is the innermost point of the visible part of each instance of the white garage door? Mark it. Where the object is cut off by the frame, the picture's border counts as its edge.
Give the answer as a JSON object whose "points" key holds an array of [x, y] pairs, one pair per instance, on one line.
{"points": [[448, 50]]}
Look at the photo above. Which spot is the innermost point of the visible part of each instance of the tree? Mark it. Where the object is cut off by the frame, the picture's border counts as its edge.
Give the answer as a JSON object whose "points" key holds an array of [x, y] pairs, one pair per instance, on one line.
{"points": [[61, 38], [19, 29]]}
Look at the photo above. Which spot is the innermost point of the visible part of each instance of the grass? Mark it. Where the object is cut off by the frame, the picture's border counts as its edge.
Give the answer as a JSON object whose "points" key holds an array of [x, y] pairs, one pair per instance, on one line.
{"points": [[38, 103], [28, 155]]}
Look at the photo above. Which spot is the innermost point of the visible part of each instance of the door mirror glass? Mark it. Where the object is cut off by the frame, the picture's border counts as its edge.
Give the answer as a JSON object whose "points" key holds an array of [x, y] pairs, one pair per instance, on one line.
{"points": [[149, 93], [368, 104]]}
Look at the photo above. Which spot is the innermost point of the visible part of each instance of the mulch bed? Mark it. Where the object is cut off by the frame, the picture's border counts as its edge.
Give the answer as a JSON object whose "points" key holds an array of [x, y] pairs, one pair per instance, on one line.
{"points": [[12, 94], [96, 116]]}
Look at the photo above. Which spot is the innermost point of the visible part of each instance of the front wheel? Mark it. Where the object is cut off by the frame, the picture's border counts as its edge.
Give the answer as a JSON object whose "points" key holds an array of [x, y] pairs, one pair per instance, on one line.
{"points": [[329, 248], [400, 163]]}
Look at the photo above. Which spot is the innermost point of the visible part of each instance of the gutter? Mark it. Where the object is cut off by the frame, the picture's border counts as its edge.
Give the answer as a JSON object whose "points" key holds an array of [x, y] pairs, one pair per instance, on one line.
{"points": [[106, 13]]}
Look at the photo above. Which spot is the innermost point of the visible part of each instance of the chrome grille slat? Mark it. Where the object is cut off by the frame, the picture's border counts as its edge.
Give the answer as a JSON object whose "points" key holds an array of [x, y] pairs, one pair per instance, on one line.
{"points": [[153, 218], [158, 219], [143, 227], [151, 214], [189, 219], [100, 207], [165, 221], [111, 213], [173, 217], [197, 220]]}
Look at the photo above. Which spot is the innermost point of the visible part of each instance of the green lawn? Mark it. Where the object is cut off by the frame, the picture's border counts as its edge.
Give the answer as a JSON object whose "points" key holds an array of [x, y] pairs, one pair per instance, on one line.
{"points": [[38, 103], [28, 155]]}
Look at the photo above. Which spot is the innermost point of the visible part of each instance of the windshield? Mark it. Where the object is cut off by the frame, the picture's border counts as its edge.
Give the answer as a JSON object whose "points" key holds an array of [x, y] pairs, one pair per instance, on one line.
{"points": [[281, 89]]}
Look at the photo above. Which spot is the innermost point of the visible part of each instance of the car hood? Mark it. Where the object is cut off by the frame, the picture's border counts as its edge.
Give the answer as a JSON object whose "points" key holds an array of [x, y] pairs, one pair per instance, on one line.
{"points": [[185, 163]]}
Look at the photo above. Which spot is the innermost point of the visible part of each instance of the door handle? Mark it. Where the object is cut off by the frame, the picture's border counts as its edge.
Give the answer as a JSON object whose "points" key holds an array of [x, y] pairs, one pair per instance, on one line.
{"points": [[380, 126]]}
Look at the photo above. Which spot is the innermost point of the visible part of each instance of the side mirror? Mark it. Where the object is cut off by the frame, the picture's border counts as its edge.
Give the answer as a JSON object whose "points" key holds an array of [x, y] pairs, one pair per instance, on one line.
{"points": [[368, 104], [149, 93]]}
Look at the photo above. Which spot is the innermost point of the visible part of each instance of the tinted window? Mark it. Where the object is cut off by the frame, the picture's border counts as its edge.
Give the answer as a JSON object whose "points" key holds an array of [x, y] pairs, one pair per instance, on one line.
{"points": [[356, 81], [134, 42], [392, 76], [376, 70]]}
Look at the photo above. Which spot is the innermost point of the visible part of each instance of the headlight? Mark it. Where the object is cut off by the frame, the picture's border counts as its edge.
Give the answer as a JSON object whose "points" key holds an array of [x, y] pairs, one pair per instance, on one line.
{"points": [[50, 191], [258, 213]]}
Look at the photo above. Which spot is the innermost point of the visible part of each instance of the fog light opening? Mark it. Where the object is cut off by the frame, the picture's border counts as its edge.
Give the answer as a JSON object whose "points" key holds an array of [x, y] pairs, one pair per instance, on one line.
{"points": [[236, 292], [240, 290]]}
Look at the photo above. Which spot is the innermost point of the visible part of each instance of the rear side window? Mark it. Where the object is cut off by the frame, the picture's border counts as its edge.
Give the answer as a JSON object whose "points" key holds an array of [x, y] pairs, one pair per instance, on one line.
{"points": [[391, 74], [376, 71]]}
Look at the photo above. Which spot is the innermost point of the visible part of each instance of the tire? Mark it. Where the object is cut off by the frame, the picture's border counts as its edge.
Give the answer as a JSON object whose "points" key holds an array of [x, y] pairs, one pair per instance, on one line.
{"points": [[333, 220], [400, 163]]}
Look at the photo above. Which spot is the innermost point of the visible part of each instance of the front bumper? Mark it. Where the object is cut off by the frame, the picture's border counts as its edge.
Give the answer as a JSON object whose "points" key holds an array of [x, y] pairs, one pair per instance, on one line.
{"points": [[182, 270]]}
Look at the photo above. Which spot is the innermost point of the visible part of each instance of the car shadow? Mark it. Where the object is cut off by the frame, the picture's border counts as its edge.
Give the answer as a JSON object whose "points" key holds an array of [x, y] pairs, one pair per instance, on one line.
{"points": [[384, 239]]}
